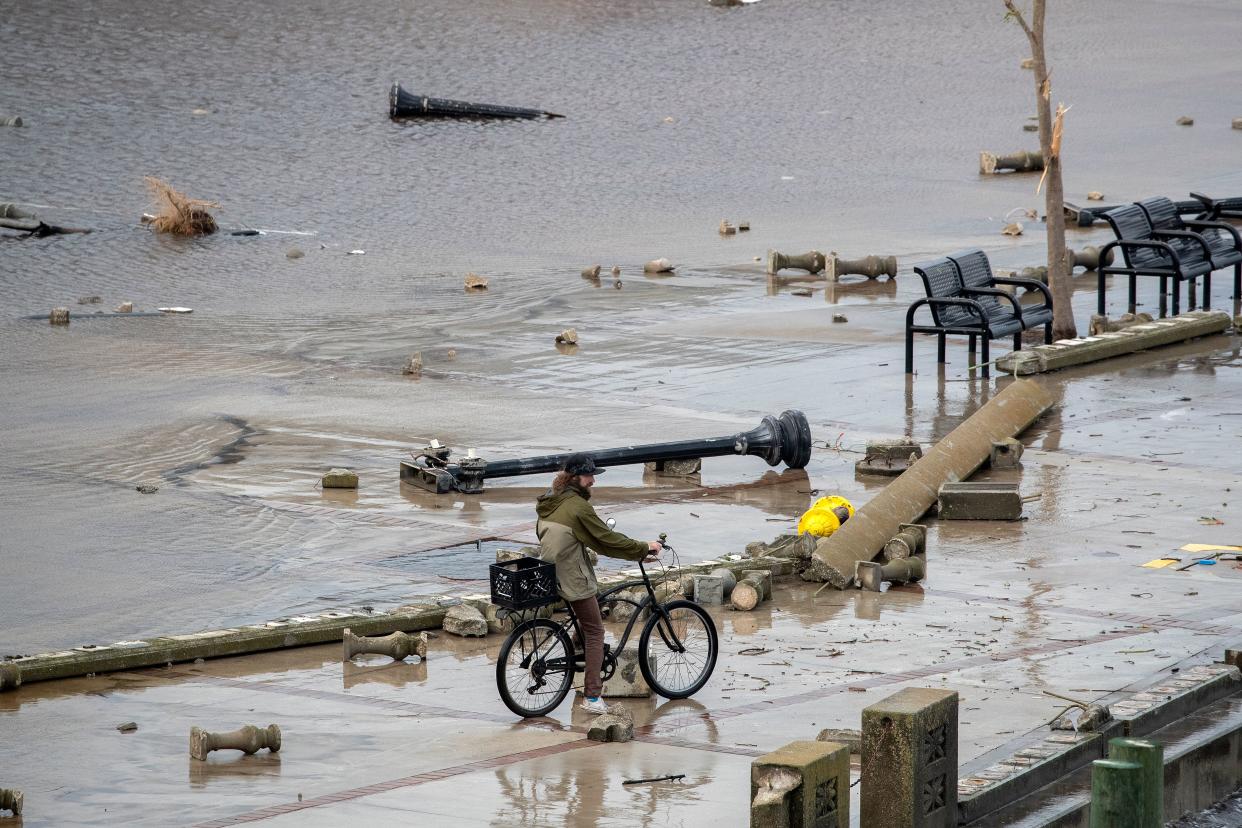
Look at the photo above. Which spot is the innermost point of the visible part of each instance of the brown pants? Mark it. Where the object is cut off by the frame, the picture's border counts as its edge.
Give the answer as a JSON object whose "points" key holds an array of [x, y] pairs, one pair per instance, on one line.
{"points": [[592, 625]]}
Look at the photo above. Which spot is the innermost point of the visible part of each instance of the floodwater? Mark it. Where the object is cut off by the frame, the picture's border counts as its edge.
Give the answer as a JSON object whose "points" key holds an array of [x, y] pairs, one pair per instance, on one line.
{"points": [[849, 126]]}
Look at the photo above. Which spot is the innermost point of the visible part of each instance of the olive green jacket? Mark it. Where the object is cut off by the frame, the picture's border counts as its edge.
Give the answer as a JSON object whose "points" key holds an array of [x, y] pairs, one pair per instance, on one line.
{"points": [[567, 526]]}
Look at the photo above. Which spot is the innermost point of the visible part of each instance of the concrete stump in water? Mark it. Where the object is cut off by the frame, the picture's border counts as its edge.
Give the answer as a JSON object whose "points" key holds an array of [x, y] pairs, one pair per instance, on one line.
{"points": [[11, 799], [870, 266], [1020, 161], [900, 571], [465, 620], [11, 121], [59, 316], [248, 739], [812, 261], [909, 760], [911, 540], [10, 676], [398, 646], [803, 783], [340, 479], [658, 266]]}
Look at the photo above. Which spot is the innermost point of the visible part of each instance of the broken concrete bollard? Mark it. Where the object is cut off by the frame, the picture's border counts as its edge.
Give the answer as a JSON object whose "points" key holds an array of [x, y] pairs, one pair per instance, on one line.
{"points": [[872, 575], [11, 121], [125, 307], [591, 272], [792, 547], [10, 676], [708, 590], [726, 229], [1088, 258], [751, 590], [765, 581], [888, 458], [475, 282], [627, 680], [465, 620], [909, 760], [1083, 720], [1006, 454], [569, 336], [294, 253], [1185, 120], [812, 261], [339, 479], [398, 646], [979, 501], [910, 541], [870, 266], [414, 365], [804, 784], [617, 725], [676, 468], [11, 799], [248, 740], [955, 457], [59, 316], [658, 266], [1020, 161]]}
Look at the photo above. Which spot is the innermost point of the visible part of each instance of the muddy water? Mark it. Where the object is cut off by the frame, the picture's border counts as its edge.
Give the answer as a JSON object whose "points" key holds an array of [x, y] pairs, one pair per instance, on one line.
{"points": [[847, 125]]}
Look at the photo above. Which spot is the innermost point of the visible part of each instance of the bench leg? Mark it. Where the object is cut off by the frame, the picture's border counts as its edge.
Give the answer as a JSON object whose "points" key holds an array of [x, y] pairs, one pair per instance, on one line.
{"points": [[986, 358], [970, 348], [1048, 332], [909, 351], [1017, 341], [1177, 294], [1099, 293], [1207, 292], [1164, 299], [940, 348], [1132, 293], [1192, 293], [1237, 281]]}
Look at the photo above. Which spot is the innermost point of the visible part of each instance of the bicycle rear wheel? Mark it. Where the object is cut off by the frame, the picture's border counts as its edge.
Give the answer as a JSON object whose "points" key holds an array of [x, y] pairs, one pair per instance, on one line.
{"points": [[535, 670], [677, 649]]}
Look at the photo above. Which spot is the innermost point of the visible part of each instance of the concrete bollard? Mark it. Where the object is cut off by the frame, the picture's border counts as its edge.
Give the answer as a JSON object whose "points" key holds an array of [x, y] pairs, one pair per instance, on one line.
{"points": [[1020, 161], [709, 590], [910, 541], [398, 646], [765, 580], [870, 266], [339, 479], [248, 739], [1116, 794], [591, 272], [979, 501], [59, 316], [1088, 258], [11, 799], [658, 266], [899, 571], [1006, 454], [909, 760], [750, 591], [10, 676], [804, 784], [1149, 756], [812, 261], [11, 121]]}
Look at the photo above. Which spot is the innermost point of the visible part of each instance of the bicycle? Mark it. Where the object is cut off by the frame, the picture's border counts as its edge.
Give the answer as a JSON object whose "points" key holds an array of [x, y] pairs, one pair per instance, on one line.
{"points": [[677, 650]]}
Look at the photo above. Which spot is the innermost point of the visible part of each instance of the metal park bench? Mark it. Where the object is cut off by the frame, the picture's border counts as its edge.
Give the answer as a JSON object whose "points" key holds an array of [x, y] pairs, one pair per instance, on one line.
{"points": [[957, 308], [1215, 209], [976, 272], [1146, 251], [1223, 241]]}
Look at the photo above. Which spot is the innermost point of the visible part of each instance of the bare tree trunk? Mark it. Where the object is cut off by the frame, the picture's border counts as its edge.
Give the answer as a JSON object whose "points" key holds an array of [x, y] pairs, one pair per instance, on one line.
{"points": [[1063, 326]]}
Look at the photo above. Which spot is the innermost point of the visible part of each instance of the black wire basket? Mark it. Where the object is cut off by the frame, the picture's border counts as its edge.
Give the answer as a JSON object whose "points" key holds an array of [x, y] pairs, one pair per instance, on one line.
{"points": [[523, 583]]}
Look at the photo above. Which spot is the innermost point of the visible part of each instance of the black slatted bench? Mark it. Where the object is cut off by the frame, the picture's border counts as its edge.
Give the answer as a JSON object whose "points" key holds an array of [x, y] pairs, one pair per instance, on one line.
{"points": [[1146, 251]]}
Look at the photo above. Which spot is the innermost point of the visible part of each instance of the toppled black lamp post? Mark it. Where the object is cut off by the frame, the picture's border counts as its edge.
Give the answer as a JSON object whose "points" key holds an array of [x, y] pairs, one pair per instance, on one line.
{"points": [[786, 439]]}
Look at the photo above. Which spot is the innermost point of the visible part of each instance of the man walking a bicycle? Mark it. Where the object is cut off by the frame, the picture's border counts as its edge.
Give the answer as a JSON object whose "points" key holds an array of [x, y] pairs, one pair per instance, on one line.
{"points": [[568, 525]]}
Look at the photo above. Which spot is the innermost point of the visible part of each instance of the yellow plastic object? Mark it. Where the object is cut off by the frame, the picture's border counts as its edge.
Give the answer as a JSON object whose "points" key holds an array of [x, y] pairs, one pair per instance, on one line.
{"points": [[820, 520], [1161, 563], [1209, 547]]}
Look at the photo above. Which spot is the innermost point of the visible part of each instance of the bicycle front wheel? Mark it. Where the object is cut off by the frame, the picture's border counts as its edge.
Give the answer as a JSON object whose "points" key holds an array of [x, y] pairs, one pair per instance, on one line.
{"points": [[535, 670], [677, 649]]}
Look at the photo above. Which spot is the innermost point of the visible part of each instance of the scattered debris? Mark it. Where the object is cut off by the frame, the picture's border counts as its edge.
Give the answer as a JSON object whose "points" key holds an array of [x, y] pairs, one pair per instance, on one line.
{"points": [[414, 365], [910, 541], [1027, 63], [1014, 228], [1185, 120], [1102, 324], [658, 266], [465, 620], [403, 104], [475, 282], [1088, 258], [125, 307], [979, 501], [672, 778], [591, 272], [178, 213], [248, 739], [355, 252], [1030, 127], [569, 336], [852, 739], [617, 725], [1006, 454], [725, 228], [11, 121], [339, 479], [127, 727], [147, 488], [743, 227], [805, 292], [90, 300], [1082, 719], [1211, 521], [888, 458], [616, 271], [1020, 161], [294, 253], [826, 515], [1095, 195], [839, 318], [175, 310], [871, 575], [1237, 123]]}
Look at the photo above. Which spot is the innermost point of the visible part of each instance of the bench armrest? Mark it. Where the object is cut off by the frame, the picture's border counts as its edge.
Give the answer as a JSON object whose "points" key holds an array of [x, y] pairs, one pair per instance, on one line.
{"points": [[1185, 234], [970, 304], [1029, 284], [1140, 244], [1017, 308], [1219, 225]]}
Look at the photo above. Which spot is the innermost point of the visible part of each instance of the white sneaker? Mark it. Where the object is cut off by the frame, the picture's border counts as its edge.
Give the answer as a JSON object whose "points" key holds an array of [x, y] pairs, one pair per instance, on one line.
{"points": [[594, 705]]}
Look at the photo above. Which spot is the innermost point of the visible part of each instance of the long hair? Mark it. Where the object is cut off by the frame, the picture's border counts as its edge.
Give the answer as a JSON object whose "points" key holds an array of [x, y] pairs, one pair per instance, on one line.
{"points": [[561, 481]]}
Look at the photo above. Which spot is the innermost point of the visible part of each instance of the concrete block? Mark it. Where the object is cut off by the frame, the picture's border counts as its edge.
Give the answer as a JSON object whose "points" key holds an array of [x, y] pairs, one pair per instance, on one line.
{"points": [[465, 620], [617, 725], [340, 479], [1006, 454], [801, 785], [627, 680], [909, 760], [676, 468], [709, 590], [980, 501]]}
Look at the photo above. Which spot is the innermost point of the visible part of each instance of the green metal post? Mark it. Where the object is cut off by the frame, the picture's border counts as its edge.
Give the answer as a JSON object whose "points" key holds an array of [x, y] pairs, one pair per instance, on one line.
{"points": [[1116, 794], [1150, 757]]}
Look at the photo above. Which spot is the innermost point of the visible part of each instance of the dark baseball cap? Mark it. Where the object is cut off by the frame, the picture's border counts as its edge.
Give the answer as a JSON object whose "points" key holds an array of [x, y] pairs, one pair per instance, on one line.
{"points": [[576, 464]]}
